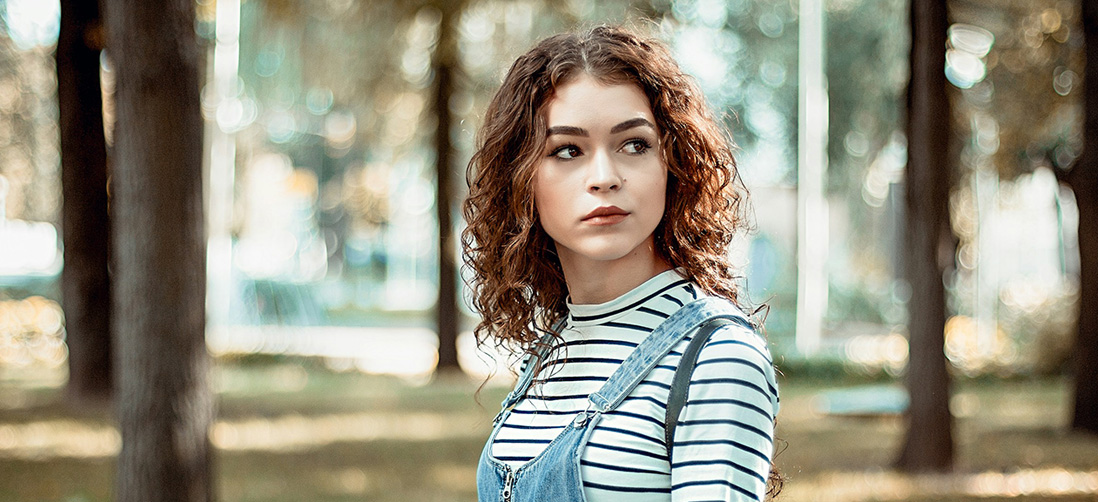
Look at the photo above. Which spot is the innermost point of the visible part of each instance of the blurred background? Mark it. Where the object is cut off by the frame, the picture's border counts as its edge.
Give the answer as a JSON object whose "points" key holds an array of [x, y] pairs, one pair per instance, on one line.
{"points": [[326, 215]]}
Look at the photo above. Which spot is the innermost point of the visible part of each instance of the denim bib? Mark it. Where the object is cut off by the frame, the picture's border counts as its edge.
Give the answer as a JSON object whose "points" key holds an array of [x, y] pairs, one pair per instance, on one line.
{"points": [[554, 475]]}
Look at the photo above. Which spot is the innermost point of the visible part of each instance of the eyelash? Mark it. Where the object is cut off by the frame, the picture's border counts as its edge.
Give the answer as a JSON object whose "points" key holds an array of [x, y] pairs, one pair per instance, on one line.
{"points": [[642, 147], [556, 151]]}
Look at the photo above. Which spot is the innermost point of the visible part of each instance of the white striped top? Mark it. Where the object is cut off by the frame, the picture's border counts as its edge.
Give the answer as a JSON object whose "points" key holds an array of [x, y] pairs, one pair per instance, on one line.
{"points": [[724, 440]]}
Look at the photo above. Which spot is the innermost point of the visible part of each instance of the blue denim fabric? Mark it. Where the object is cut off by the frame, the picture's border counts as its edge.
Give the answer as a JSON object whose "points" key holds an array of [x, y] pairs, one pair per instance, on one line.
{"points": [[554, 475]]}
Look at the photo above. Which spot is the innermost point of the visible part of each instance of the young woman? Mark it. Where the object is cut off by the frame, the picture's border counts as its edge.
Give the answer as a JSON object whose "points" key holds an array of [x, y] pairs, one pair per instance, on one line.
{"points": [[603, 197]]}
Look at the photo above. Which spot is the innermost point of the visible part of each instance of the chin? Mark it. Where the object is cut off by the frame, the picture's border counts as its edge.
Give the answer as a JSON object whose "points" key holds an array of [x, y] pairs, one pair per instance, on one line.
{"points": [[607, 254]]}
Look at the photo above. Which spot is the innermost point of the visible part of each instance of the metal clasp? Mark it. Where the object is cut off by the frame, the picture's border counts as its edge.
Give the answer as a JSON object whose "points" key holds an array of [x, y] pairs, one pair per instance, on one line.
{"points": [[583, 417]]}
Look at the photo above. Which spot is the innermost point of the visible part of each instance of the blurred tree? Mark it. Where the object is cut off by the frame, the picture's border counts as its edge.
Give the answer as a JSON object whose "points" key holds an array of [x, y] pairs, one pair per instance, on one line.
{"points": [[416, 101], [1083, 179], [85, 225], [164, 404], [378, 80], [928, 443], [1032, 94], [446, 66]]}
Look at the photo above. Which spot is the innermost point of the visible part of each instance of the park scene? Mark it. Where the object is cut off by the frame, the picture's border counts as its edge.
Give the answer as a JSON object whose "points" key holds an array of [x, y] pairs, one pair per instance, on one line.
{"points": [[231, 241]]}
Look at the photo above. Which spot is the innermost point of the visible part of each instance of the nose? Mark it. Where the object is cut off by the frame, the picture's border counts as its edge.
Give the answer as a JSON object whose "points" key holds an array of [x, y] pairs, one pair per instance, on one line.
{"points": [[603, 174]]}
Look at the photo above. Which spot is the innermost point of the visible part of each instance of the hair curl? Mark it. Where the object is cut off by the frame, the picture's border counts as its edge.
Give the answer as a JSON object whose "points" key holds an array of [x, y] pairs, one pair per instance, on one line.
{"points": [[517, 282]]}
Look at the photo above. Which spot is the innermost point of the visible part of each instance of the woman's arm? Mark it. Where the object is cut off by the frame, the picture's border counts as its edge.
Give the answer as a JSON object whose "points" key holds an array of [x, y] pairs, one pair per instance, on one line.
{"points": [[724, 440]]}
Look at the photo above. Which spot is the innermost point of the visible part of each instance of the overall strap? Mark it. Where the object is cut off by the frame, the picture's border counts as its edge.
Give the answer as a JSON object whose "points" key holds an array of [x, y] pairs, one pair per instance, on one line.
{"points": [[655, 346], [527, 376], [680, 384]]}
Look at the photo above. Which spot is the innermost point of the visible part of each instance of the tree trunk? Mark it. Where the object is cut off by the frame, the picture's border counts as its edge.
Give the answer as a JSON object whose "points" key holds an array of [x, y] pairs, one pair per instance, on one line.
{"points": [[1083, 179], [164, 404], [85, 228], [447, 314], [928, 444]]}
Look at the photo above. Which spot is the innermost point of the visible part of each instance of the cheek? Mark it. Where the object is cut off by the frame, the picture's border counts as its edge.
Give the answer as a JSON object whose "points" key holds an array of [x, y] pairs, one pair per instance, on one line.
{"points": [[545, 199], [661, 191]]}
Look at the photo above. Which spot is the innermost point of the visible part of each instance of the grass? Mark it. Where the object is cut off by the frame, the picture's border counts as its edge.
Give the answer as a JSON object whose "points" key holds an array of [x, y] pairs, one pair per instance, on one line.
{"points": [[290, 431]]}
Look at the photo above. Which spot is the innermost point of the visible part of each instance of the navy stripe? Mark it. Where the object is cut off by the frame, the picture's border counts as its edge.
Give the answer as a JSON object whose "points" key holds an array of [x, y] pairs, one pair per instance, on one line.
{"points": [[634, 327], [523, 441], [725, 421], [655, 383], [736, 444], [737, 381], [720, 461], [646, 418], [515, 459], [630, 306], [672, 298], [506, 425], [600, 341], [737, 402], [628, 432], [650, 399], [716, 482], [607, 360], [657, 313], [575, 379], [745, 344], [623, 449], [519, 411], [773, 392], [622, 468], [631, 489], [733, 360], [533, 397]]}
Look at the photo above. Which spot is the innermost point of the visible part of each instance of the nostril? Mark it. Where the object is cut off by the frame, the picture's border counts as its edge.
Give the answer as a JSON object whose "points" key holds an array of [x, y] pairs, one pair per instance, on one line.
{"points": [[601, 187]]}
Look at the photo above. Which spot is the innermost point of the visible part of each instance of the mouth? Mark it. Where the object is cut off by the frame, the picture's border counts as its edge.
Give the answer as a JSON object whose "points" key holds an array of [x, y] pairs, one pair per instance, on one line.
{"points": [[606, 215]]}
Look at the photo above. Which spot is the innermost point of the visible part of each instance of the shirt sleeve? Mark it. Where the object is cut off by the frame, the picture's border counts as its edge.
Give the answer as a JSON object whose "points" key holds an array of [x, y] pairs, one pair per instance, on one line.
{"points": [[724, 440]]}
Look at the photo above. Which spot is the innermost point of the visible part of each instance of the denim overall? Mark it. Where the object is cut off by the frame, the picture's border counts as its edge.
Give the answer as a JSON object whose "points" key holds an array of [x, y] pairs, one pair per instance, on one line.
{"points": [[554, 475]]}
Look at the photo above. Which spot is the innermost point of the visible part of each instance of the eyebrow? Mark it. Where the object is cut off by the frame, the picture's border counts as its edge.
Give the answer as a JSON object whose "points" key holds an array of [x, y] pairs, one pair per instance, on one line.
{"points": [[579, 131], [630, 124]]}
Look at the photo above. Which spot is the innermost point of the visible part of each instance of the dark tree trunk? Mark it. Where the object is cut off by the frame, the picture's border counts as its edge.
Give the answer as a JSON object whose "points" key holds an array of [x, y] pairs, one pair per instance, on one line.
{"points": [[1083, 179], [928, 444], [164, 404], [85, 228], [447, 318]]}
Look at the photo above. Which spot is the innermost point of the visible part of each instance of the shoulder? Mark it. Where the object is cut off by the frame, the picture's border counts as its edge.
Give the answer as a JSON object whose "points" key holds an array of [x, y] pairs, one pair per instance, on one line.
{"points": [[736, 358], [737, 337]]}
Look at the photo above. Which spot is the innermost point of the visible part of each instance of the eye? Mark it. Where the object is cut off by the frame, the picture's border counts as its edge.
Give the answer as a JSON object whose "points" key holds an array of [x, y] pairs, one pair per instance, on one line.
{"points": [[566, 152], [636, 146]]}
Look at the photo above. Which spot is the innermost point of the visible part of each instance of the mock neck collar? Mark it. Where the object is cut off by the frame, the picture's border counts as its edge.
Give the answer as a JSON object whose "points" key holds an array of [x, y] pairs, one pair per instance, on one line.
{"points": [[587, 314]]}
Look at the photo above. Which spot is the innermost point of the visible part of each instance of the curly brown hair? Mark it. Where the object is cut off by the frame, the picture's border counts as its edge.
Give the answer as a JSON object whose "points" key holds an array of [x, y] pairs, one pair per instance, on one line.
{"points": [[517, 282]]}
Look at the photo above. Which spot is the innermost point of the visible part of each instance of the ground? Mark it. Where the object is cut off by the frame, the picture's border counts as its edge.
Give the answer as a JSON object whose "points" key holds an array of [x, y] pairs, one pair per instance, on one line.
{"points": [[291, 430]]}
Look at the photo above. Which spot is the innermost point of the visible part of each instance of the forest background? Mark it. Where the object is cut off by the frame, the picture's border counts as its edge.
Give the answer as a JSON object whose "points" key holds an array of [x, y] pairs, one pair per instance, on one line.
{"points": [[321, 176]]}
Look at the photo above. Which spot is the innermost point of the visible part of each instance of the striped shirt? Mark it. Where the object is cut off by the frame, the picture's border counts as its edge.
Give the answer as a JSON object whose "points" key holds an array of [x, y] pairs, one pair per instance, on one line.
{"points": [[724, 440]]}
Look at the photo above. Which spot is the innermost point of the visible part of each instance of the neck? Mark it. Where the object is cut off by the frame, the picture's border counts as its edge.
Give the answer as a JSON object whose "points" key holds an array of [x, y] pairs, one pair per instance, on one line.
{"points": [[596, 281]]}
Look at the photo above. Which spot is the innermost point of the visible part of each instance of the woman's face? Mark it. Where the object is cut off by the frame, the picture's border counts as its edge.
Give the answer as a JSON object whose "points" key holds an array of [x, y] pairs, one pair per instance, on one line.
{"points": [[601, 184]]}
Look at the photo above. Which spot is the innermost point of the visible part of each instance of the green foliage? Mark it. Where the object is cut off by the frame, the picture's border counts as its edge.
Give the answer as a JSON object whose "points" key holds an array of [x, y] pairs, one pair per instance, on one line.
{"points": [[744, 56], [1032, 91], [867, 52]]}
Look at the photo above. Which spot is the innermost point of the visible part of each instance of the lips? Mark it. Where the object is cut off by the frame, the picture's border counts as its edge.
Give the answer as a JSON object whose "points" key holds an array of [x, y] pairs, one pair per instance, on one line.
{"points": [[606, 215]]}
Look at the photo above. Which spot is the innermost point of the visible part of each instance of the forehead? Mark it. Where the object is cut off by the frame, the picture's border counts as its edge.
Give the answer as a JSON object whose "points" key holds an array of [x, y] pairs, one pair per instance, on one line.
{"points": [[586, 102]]}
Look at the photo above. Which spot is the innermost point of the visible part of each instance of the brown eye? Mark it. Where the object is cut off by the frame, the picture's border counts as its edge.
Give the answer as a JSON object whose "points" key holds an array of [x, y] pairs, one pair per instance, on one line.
{"points": [[636, 146], [566, 152]]}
